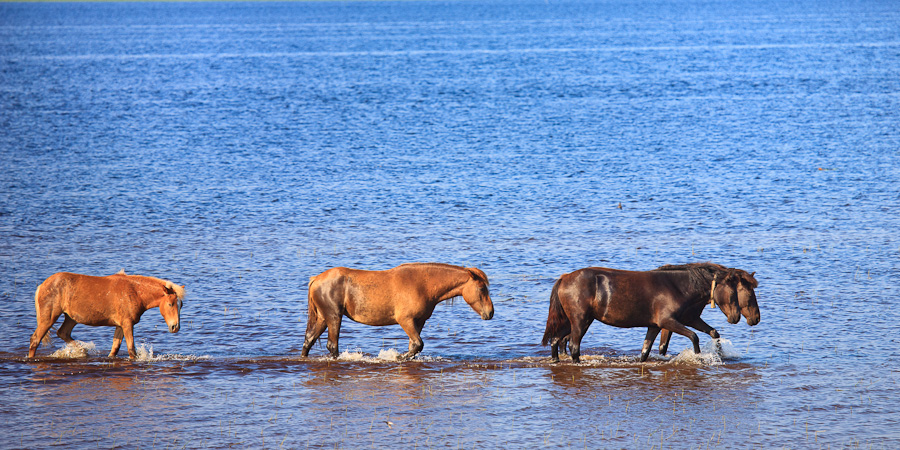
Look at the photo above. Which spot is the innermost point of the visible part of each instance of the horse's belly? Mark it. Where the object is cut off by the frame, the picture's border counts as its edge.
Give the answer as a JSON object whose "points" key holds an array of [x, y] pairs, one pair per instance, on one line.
{"points": [[93, 320], [89, 314], [373, 321], [369, 314]]}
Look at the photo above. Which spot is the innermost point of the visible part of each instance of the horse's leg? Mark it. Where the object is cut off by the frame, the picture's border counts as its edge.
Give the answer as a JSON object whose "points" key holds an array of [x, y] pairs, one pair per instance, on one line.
{"points": [[579, 327], [413, 329], [699, 325], [556, 344], [128, 331], [43, 326], [314, 329], [334, 334], [117, 342], [315, 326], [65, 330], [648, 342], [677, 327], [664, 342]]}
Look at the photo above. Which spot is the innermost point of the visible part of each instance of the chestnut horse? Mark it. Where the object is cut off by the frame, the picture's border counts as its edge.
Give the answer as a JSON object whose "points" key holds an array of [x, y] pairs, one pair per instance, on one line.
{"points": [[405, 295], [736, 280], [670, 298], [116, 301]]}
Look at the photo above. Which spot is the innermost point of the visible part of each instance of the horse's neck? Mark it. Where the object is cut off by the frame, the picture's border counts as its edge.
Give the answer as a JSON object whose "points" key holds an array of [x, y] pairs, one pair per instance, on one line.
{"points": [[150, 296], [152, 302], [449, 286], [693, 292]]}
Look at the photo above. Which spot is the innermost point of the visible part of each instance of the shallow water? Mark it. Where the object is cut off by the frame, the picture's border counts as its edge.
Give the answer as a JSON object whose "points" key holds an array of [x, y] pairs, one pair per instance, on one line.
{"points": [[239, 148]]}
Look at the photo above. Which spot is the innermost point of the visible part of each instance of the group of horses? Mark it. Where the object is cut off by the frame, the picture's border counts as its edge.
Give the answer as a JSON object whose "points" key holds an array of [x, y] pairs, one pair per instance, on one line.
{"points": [[665, 300]]}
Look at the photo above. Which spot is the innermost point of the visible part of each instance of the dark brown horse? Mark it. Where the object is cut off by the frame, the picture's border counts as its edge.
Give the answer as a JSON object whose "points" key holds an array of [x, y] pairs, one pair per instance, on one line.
{"points": [[743, 285], [670, 298], [117, 301], [405, 295]]}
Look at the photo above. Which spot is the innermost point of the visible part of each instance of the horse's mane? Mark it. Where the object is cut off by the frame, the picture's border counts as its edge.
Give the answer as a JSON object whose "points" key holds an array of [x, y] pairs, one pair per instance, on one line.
{"points": [[699, 274], [748, 277], [179, 290], [475, 272]]}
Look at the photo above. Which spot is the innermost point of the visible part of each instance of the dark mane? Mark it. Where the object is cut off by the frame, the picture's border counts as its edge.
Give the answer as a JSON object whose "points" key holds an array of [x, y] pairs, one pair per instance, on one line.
{"points": [[699, 274]]}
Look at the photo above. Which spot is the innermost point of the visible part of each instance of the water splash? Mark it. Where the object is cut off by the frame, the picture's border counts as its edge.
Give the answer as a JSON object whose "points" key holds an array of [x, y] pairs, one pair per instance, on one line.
{"points": [[145, 354], [384, 355], [388, 355], [76, 349], [713, 353], [357, 355], [723, 347]]}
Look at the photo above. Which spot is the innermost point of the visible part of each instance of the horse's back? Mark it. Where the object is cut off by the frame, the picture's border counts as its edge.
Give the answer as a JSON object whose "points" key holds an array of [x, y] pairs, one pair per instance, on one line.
{"points": [[82, 296], [616, 297]]}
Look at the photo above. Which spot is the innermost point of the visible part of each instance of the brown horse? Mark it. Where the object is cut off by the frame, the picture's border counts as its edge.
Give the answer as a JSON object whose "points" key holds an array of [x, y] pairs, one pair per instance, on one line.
{"points": [[116, 301], [670, 298], [405, 295], [736, 280]]}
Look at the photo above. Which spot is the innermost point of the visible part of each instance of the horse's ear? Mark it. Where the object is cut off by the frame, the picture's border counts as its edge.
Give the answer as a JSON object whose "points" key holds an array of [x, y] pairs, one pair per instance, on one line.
{"points": [[172, 288], [753, 281], [477, 274]]}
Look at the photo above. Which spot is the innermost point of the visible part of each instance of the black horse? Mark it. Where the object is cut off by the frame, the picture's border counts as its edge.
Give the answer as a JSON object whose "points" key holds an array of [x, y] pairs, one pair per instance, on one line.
{"points": [[669, 298]]}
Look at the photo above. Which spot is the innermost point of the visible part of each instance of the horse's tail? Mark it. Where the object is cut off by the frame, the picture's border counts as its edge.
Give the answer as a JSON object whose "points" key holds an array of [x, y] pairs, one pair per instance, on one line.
{"points": [[556, 317]]}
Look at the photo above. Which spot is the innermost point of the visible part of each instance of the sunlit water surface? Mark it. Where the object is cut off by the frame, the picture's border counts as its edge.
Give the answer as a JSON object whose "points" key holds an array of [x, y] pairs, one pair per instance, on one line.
{"points": [[239, 148]]}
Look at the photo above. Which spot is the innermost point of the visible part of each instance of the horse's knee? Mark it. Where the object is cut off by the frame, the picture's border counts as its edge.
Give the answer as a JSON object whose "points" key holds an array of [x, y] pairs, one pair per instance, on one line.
{"points": [[714, 334]]}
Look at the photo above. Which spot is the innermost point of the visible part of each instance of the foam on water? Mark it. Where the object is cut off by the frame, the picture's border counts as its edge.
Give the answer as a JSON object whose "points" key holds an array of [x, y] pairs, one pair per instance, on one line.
{"points": [[76, 349]]}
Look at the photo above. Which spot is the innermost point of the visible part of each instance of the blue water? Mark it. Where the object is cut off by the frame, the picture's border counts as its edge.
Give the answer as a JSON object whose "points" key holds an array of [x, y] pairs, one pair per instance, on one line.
{"points": [[240, 148]]}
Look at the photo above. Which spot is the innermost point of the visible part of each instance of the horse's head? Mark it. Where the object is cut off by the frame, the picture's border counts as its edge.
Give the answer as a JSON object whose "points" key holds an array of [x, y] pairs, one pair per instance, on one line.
{"points": [[170, 306], [746, 295], [475, 293], [724, 293]]}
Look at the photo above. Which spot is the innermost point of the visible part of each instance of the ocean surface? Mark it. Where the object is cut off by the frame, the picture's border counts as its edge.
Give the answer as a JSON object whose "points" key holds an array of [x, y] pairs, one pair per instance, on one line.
{"points": [[240, 148]]}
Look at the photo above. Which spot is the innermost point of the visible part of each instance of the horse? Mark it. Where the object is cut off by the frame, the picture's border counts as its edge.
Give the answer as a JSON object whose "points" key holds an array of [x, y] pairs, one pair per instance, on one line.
{"points": [[405, 295], [116, 300], [670, 298], [744, 284]]}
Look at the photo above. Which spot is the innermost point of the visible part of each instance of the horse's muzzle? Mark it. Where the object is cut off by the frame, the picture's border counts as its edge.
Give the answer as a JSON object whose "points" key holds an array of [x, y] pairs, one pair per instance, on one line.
{"points": [[174, 328], [487, 315]]}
